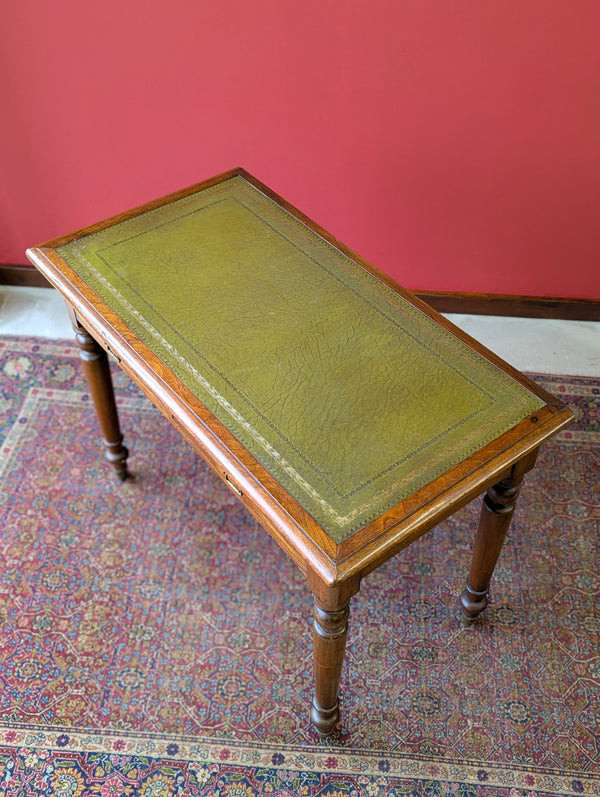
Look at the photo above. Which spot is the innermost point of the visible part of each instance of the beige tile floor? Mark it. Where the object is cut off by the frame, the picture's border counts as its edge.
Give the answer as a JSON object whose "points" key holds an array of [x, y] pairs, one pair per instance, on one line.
{"points": [[545, 346]]}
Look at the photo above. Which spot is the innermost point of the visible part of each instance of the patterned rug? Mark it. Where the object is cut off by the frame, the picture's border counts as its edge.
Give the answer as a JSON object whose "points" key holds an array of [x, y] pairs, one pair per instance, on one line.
{"points": [[155, 641]]}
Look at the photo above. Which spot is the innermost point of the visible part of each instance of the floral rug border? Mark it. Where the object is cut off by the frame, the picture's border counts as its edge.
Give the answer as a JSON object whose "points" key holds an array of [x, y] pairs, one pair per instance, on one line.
{"points": [[323, 759]]}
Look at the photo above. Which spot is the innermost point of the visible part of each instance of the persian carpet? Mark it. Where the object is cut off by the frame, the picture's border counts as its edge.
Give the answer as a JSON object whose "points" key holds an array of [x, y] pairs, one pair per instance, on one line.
{"points": [[155, 641]]}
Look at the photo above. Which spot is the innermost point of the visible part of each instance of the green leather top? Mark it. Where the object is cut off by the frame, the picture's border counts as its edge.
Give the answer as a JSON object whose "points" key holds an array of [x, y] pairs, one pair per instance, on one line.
{"points": [[351, 397]]}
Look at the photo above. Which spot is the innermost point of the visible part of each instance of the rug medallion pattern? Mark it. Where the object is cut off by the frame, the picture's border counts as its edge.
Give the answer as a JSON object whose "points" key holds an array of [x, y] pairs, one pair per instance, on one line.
{"points": [[155, 641]]}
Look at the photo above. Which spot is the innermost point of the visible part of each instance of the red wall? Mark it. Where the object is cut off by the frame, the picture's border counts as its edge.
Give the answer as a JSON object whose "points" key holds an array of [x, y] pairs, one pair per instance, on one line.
{"points": [[454, 144]]}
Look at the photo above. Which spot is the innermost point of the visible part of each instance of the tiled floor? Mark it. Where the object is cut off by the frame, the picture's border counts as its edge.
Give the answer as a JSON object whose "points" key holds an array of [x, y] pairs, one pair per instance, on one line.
{"points": [[546, 346]]}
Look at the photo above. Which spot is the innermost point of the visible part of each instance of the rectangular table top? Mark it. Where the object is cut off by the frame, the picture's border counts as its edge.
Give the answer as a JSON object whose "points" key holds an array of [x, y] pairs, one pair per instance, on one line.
{"points": [[345, 391]]}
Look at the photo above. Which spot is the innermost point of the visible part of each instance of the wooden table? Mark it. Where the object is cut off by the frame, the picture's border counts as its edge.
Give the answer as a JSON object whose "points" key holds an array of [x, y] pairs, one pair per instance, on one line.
{"points": [[348, 416]]}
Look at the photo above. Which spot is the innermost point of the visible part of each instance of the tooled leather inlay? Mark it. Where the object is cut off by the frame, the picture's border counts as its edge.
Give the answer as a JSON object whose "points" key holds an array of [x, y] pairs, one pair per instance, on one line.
{"points": [[347, 394]]}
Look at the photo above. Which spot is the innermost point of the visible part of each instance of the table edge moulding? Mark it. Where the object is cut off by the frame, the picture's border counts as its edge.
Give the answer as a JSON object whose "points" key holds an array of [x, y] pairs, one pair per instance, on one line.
{"points": [[297, 318]]}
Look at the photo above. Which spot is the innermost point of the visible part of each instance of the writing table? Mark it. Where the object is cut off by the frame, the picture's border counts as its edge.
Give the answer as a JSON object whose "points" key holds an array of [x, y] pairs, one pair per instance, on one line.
{"points": [[348, 416]]}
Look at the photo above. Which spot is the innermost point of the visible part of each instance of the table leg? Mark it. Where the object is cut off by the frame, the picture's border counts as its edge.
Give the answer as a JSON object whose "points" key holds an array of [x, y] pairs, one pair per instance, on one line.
{"points": [[496, 513], [330, 629], [97, 374]]}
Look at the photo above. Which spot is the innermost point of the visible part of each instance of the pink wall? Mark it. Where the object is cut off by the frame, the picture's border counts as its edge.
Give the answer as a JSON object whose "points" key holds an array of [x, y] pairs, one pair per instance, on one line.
{"points": [[454, 144]]}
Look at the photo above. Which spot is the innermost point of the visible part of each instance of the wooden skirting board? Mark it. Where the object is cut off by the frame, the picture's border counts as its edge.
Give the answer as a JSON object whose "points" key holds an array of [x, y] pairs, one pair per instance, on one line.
{"points": [[464, 303], [523, 306], [25, 276]]}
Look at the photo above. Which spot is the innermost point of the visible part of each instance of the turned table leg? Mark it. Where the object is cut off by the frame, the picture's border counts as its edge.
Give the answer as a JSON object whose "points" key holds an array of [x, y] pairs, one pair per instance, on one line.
{"points": [[329, 643], [330, 629], [97, 374], [496, 513]]}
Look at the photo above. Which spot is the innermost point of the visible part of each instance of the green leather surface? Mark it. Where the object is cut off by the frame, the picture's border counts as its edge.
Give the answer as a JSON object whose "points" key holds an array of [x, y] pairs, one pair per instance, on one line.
{"points": [[348, 395]]}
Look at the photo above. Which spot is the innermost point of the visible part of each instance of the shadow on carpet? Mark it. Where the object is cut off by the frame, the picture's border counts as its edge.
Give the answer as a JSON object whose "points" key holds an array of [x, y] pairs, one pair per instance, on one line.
{"points": [[155, 640]]}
